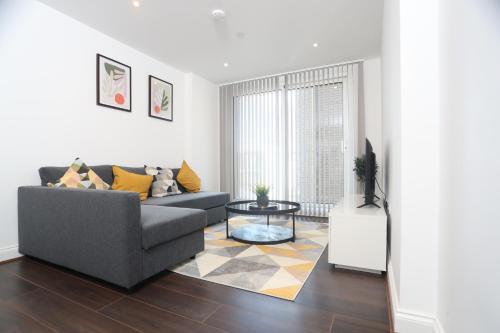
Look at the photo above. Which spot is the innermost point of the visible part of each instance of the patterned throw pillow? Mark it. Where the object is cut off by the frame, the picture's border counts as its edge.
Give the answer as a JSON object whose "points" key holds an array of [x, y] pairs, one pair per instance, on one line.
{"points": [[79, 175], [163, 182]]}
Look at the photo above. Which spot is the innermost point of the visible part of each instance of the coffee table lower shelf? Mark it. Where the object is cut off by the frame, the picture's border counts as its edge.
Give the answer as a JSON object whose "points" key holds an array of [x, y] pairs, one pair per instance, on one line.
{"points": [[263, 234]]}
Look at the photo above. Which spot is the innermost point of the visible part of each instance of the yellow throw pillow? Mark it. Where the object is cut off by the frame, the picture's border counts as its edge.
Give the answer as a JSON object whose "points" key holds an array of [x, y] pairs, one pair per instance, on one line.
{"points": [[188, 178], [128, 181]]}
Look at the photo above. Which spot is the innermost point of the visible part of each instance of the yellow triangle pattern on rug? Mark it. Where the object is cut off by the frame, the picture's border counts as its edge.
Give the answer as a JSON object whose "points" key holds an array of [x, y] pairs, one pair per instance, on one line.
{"points": [[301, 271], [289, 292], [275, 270]]}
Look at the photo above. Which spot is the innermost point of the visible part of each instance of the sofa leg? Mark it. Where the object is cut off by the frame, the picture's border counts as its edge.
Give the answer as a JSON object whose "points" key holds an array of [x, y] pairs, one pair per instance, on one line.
{"points": [[193, 257]]}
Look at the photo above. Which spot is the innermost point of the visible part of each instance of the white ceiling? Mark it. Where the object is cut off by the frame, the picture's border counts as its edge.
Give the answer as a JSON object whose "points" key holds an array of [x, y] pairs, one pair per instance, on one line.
{"points": [[278, 34]]}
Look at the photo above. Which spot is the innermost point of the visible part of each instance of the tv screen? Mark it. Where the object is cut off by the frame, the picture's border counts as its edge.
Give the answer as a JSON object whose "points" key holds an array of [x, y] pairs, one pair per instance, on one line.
{"points": [[370, 173]]}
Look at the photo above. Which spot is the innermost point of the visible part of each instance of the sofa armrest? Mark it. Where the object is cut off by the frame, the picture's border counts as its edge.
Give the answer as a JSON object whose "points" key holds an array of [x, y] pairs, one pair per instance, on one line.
{"points": [[96, 232]]}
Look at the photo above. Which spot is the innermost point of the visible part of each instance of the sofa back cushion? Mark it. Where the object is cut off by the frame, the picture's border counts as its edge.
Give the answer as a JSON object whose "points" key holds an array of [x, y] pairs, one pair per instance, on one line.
{"points": [[51, 174], [137, 170]]}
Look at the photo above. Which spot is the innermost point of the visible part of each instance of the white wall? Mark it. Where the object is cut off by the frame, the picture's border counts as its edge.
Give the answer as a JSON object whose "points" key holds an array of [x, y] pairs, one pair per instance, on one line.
{"points": [[49, 114], [441, 93], [203, 134], [372, 91], [469, 247], [411, 113], [391, 132], [419, 154]]}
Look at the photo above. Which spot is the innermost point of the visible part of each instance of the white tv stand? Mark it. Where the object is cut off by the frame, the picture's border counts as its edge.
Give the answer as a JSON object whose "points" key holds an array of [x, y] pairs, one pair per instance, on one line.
{"points": [[358, 236]]}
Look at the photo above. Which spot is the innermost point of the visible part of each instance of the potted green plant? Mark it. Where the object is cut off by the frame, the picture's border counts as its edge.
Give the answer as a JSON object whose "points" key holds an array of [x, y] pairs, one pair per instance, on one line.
{"points": [[359, 168], [261, 191]]}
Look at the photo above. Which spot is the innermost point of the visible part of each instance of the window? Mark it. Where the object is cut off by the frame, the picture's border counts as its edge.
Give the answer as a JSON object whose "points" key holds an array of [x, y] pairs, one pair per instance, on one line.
{"points": [[296, 147], [296, 133], [315, 159], [258, 144]]}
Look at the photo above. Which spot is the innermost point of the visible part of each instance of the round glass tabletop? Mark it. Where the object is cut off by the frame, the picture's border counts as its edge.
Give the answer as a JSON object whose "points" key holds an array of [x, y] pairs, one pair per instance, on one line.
{"points": [[276, 207]]}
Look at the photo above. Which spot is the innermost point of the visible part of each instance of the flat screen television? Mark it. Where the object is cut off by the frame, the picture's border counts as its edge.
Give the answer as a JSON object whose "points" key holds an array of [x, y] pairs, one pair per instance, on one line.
{"points": [[370, 173]]}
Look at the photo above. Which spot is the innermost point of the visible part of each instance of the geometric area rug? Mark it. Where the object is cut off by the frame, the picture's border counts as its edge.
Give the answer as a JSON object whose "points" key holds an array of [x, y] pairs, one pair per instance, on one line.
{"points": [[275, 270]]}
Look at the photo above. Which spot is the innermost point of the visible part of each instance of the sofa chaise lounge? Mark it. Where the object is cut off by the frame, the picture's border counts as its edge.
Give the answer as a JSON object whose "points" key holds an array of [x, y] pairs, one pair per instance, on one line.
{"points": [[112, 235]]}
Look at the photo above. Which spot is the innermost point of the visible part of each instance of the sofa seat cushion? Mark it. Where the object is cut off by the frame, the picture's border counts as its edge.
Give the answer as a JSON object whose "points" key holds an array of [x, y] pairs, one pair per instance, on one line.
{"points": [[163, 224], [198, 200]]}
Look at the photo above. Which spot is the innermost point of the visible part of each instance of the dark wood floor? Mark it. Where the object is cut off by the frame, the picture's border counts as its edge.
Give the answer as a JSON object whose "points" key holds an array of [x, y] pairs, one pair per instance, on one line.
{"points": [[38, 297]]}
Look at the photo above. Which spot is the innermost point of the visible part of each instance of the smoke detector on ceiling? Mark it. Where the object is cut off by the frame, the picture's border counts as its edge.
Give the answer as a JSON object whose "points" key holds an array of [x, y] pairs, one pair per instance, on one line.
{"points": [[218, 14]]}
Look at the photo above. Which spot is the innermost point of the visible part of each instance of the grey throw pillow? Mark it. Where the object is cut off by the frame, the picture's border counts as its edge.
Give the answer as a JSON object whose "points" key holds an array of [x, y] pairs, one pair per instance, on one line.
{"points": [[163, 182]]}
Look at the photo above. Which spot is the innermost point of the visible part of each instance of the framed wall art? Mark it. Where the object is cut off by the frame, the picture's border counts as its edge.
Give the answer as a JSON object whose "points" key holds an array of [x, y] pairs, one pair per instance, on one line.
{"points": [[114, 84], [161, 99]]}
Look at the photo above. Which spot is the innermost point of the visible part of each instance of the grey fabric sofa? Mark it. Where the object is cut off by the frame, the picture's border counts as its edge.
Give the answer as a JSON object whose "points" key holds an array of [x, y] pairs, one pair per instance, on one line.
{"points": [[112, 235]]}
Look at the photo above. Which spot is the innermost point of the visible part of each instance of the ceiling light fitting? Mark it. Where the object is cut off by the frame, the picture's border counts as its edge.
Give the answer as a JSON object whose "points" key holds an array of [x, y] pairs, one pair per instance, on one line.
{"points": [[218, 14]]}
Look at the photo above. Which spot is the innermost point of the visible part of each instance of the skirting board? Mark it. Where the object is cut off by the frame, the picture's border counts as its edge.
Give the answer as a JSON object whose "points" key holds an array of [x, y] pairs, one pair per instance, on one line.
{"points": [[407, 321], [9, 253], [365, 270]]}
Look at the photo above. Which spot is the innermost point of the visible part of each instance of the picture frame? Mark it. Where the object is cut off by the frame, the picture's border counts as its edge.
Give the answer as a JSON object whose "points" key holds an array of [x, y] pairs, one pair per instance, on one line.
{"points": [[161, 99], [113, 84]]}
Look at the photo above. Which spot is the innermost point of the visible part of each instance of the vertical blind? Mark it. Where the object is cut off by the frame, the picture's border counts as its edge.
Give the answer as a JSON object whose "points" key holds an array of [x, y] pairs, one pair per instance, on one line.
{"points": [[290, 132]]}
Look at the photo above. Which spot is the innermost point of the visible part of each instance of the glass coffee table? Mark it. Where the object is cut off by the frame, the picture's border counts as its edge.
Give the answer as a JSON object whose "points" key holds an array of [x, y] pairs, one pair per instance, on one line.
{"points": [[261, 233]]}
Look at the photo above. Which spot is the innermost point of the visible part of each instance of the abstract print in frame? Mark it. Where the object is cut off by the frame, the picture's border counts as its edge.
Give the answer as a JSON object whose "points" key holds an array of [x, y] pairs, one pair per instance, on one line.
{"points": [[114, 84], [161, 99]]}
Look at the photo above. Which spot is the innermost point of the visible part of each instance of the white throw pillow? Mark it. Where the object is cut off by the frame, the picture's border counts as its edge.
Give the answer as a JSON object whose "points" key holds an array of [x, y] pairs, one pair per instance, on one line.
{"points": [[163, 182]]}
